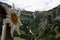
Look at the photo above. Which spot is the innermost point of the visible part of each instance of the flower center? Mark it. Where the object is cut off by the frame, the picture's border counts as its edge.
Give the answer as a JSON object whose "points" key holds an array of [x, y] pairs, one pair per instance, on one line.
{"points": [[14, 18]]}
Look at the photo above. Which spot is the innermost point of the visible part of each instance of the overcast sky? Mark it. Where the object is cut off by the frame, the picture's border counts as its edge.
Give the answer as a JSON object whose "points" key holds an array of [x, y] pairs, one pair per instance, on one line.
{"points": [[32, 5]]}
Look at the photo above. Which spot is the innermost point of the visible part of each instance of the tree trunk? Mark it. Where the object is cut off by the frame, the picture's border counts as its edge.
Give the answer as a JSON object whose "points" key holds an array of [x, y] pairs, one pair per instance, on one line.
{"points": [[6, 32]]}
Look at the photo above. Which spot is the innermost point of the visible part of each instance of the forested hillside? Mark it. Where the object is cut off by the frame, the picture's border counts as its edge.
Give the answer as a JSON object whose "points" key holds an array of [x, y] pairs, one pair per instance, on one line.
{"points": [[45, 26]]}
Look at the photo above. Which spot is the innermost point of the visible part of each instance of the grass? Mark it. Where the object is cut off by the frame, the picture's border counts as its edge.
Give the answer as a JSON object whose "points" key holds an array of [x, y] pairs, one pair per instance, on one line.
{"points": [[17, 38]]}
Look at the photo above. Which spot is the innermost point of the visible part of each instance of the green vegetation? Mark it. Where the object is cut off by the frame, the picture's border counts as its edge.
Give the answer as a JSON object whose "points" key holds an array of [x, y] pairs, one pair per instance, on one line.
{"points": [[45, 26], [17, 38]]}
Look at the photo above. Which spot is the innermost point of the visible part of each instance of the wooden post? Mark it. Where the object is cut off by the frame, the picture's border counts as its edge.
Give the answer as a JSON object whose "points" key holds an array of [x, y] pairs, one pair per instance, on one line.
{"points": [[6, 32]]}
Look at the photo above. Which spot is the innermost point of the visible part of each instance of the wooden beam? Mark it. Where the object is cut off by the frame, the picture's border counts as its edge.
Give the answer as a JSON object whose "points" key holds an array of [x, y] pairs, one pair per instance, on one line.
{"points": [[6, 33]]}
